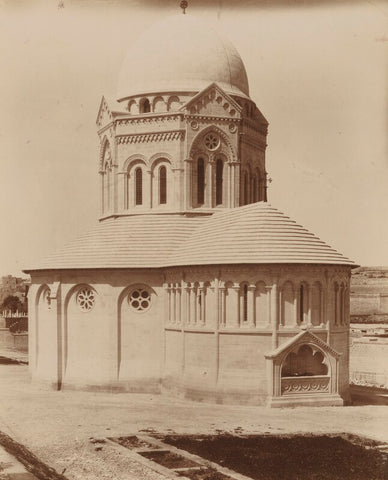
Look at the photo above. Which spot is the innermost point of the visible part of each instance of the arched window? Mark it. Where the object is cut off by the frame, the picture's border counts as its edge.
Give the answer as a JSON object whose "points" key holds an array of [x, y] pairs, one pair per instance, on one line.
{"points": [[245, 188], [254, 189], [201, 181], [244, 303], [303, 303], [316, 293], [138, 186], [107, 189], [145, 106], [287, 305], [219, 181], [162, 185]]}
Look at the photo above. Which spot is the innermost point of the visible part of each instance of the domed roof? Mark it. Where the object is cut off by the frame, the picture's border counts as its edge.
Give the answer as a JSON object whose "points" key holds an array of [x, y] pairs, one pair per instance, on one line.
{"points": [[181, 54]]}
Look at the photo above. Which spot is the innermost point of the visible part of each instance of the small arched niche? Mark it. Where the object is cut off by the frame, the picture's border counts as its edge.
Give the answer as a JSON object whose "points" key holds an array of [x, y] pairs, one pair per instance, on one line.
{"points": [[305, 362], [303, 371]]}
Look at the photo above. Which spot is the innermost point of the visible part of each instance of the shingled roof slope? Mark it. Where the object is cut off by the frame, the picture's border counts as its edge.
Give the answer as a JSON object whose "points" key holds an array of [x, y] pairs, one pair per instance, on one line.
{"points": [[135, 241], [253, 234]]}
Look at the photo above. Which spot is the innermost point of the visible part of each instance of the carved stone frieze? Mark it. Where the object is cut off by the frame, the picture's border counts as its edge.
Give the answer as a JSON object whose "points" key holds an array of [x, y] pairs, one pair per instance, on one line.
{"points": [[160, 118], [303, 385]]}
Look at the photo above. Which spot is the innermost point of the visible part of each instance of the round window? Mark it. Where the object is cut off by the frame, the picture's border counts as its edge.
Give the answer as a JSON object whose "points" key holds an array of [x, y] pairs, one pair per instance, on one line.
{"points": [[86, 299], [212, 141], [140, 299]]}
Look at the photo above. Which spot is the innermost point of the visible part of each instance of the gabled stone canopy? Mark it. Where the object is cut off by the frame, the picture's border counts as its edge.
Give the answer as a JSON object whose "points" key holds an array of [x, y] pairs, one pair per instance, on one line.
{"points": [[303, 338]]}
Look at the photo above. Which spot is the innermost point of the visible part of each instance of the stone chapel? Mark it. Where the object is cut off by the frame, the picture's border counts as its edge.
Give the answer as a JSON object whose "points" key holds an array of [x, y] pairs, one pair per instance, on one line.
{"points": [[190, 283]]}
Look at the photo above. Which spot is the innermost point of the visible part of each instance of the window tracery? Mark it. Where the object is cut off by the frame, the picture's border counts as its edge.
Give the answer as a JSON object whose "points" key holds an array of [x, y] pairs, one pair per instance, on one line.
{"points": [[140, 299], [212, 141], [85, 299]]}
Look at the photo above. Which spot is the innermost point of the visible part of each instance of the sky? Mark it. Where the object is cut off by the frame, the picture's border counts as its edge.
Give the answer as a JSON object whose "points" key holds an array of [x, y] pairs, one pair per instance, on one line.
{"points": [[316, 70]]}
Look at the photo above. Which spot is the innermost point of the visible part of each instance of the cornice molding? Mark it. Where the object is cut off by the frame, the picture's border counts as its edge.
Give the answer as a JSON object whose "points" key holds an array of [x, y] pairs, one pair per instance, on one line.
{"points": [[172, 135], [211, 118], [148, 118]]}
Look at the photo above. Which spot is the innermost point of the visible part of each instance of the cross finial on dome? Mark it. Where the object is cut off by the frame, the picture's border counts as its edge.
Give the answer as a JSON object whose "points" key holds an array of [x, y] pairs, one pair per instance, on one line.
{"points": [[184, 5]]}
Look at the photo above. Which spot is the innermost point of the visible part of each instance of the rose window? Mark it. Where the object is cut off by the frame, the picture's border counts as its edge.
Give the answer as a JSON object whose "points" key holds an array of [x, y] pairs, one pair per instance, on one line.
{"points": [[86, 299], [140, 299], [212, 141]]}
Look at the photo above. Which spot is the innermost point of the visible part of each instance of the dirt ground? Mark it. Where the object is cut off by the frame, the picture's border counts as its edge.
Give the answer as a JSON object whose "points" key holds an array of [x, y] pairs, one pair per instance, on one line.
{"points": [[61, 427]]}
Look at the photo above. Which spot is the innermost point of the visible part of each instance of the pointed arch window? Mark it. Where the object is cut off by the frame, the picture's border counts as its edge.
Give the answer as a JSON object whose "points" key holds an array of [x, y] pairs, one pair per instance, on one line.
{"points": [[219, 181], [200, 181], [162, 185], [138, 186]]}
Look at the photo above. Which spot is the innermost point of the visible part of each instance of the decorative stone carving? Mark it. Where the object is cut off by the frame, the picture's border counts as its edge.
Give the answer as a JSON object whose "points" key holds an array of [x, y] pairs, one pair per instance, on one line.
{"points": [[86, 298], [305, 385], [151, 137]]}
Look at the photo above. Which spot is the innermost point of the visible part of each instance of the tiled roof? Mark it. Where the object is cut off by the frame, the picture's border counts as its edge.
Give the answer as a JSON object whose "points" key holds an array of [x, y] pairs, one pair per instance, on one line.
{"points": [[253, 234], [134, 241]]}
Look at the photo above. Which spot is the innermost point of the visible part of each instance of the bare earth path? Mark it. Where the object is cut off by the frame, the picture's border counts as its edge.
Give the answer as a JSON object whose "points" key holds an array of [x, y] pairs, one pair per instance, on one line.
{"points": [[58, 426]]}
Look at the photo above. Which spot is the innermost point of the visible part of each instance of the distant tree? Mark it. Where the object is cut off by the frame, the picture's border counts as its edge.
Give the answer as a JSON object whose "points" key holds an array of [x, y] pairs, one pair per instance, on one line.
{"points": [[12, 303]]}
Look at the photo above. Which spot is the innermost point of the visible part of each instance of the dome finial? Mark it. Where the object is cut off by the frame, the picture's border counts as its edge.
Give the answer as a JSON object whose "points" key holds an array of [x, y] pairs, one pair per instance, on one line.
{"points": [[184, 5]]}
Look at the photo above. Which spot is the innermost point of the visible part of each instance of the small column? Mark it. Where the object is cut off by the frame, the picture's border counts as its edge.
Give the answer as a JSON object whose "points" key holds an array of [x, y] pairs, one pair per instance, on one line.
{"points": [[268, 289], [209, 181], [309, 293], [229, 189], [296, 310], [114, 188], [173, 303], [201, 293], [251, 305], [235, 290], [279, 296], [168, 289], [187, 304], [102, 191], [147, 198], [222, 304], [188, 165], [125, 200], [274, 314], [232, 186], [193, 304], [177, 303], [236, 186], [322, 299]]}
